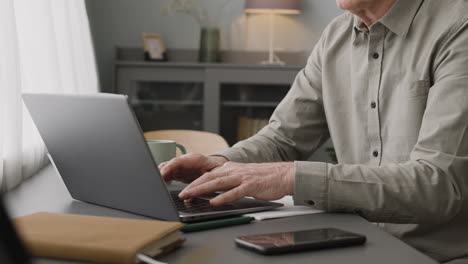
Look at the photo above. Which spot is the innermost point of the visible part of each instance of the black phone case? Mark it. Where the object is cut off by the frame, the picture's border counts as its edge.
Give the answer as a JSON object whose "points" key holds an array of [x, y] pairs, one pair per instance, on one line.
{"points": [[358, 240]]}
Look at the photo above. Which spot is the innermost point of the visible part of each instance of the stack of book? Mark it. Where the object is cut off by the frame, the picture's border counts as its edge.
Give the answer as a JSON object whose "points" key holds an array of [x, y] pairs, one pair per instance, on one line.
{"points": [[248, 126], [97, 239]]}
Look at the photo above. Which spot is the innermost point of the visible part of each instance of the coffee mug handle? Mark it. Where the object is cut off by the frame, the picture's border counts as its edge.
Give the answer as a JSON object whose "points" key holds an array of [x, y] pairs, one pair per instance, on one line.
{"points": [[182, 149]]}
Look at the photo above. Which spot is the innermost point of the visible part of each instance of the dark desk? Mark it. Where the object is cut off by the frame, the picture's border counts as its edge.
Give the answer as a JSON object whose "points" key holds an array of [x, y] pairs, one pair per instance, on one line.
{"points": [[46, 192]]}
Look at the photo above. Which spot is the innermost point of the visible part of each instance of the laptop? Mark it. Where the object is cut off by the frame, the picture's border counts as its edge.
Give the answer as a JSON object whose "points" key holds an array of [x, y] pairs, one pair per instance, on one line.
{"points": [[11, 249], [98, 148]]}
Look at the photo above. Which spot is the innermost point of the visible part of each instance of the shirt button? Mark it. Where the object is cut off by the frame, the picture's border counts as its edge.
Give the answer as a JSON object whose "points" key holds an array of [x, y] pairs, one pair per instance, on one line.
{"points": [[373, 105], [375, 55], [375, 153]]}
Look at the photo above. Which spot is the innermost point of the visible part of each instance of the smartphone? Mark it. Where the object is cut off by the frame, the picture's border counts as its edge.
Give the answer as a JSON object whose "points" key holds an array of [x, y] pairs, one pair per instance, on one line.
{"points": [[285, 242]]}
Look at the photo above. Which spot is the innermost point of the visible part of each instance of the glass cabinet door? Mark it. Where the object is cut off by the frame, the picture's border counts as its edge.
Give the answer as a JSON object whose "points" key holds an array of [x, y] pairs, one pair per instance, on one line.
{"points": [[246, 109], [168, 105]]}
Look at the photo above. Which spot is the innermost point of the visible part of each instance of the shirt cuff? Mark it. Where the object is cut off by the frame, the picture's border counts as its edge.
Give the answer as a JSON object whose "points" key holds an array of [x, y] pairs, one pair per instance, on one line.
{"points": [[311, 184]]}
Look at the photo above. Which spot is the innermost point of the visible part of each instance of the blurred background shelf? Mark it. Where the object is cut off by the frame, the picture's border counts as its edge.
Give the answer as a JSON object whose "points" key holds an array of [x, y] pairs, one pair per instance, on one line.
{"points": [[166, 102], [234, 99], [249, 104]]}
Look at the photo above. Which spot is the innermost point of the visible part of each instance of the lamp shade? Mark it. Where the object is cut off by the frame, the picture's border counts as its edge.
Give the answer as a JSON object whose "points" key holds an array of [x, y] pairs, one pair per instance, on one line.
{"points": [[273, 6]]}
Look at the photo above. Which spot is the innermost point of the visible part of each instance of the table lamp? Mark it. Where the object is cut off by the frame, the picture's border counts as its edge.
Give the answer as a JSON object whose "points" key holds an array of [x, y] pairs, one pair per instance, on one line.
{"points": [[272, 8]]}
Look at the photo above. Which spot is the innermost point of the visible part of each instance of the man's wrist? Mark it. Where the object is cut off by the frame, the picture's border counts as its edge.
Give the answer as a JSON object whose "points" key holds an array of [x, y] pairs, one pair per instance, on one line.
{"points": [[290, 178], [219, 160]]}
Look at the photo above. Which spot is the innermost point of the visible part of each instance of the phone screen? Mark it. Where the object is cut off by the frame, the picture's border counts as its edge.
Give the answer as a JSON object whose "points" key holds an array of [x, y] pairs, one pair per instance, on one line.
{"points": [[316, 238]]}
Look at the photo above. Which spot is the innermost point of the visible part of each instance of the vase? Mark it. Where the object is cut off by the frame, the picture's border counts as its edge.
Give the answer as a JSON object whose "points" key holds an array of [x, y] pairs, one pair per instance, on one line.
{"points": [[209, 45]]}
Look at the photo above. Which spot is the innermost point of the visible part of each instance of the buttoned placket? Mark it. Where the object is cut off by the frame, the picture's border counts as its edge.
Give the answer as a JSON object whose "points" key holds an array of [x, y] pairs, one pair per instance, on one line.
{"points": [[375, 57]]}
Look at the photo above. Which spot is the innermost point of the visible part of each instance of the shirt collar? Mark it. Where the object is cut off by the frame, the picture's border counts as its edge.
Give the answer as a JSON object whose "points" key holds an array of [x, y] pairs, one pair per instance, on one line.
{"points": [[359, 28], [400, 16], [398, 19]]}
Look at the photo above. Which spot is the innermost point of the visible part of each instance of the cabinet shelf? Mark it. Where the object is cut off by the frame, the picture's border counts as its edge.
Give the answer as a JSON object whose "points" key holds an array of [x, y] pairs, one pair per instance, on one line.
{"points": [[184, 94], [167, 102], [249, 104]]}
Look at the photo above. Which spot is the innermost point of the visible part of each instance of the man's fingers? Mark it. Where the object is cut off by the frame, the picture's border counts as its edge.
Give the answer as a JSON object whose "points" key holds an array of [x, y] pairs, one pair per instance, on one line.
{"points": [[218, 172], [161, 165], [218, 184], [185, 162], [170, 168], [201, 180], [185, 177], [230, 196]]}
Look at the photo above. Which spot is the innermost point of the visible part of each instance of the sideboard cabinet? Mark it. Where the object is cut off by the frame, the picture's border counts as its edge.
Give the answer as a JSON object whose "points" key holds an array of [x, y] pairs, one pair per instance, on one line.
{"points": [[233, 98]]}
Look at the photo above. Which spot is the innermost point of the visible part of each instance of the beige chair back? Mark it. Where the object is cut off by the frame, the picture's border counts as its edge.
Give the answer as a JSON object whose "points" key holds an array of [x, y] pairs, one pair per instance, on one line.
{"points": [[194, 141]]}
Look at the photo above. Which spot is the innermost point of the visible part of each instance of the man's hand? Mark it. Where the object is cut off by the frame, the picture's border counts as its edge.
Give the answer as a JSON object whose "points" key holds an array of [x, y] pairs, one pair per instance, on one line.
{"points": [[189, 167], [264, 181]]}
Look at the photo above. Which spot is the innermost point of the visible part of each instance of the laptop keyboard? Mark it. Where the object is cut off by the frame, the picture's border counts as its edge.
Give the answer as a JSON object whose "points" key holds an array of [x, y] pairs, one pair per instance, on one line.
{"points": [[197, 205]]}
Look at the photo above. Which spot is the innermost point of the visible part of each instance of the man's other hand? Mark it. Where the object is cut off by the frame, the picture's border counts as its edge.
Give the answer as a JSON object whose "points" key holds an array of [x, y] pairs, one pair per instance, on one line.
{"points": [[264, 181], [187, 168]]}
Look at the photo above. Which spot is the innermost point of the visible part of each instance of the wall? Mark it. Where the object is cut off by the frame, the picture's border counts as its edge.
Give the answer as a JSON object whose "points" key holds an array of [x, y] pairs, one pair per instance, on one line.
{"points": [[120, 22]]}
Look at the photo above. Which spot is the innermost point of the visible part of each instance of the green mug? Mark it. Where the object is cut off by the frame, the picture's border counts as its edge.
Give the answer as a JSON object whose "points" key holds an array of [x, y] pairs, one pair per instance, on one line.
{"points": [[164, 150]]}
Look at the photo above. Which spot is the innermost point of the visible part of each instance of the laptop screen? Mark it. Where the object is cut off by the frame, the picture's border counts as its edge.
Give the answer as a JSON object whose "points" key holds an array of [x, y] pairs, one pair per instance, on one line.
{"points": [[11, 249]]}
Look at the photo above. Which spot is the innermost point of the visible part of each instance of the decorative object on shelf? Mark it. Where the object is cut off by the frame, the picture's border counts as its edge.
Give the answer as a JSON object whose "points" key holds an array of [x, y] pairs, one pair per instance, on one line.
{"points": [[209, 34], [153, 45], [209, 45], [272, 8]]}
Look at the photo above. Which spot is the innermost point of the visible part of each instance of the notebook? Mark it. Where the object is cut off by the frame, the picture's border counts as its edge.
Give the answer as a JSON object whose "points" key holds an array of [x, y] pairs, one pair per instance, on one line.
{"points": [[97, 239]]}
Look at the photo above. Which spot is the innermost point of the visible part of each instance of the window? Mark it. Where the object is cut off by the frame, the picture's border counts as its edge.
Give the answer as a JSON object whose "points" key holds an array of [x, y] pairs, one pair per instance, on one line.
{"points": [[45, 47]]}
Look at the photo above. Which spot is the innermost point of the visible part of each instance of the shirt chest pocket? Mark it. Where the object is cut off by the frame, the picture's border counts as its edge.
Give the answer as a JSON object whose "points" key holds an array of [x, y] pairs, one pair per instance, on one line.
{"points": [[413, 106], [407, 118]]}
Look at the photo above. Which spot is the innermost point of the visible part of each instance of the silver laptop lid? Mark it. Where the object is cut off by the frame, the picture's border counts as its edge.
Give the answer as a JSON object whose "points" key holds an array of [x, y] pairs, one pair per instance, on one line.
{"points": [[95, 141]]}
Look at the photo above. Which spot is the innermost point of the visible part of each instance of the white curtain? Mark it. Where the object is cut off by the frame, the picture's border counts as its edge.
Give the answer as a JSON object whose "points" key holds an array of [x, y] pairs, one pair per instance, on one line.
{"points": [[45, 47]]}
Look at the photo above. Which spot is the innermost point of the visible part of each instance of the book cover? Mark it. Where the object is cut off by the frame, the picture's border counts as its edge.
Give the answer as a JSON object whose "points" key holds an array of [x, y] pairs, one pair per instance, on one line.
{"points": [[96, 239]]}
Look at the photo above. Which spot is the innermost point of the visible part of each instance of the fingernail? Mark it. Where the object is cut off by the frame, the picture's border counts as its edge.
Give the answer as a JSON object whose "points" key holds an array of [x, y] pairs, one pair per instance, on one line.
{"points": [[182, 195]]}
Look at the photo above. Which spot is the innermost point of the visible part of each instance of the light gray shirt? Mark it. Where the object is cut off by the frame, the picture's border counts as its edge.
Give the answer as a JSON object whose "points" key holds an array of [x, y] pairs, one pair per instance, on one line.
{"points": [[394, 100]]}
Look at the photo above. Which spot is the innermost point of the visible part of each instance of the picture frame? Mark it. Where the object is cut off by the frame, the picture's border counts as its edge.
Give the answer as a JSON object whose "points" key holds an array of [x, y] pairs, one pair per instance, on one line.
{"points": [[153, 46]]}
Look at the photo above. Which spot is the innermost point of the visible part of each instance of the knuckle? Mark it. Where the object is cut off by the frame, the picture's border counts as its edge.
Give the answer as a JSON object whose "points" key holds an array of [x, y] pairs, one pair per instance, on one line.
{"points": [[195, 190], [250, 181], [223, 198], [190, 155], [204, 178], [211, 177], [226, 172], [185, 157], [173, 161], [195, 156], [228, 168], [221, 181], [240, 191]]}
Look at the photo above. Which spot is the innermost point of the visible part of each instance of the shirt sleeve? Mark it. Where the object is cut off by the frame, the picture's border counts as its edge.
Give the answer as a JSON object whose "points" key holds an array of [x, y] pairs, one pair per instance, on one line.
{"points": [[429, 188], [297, 127]]}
